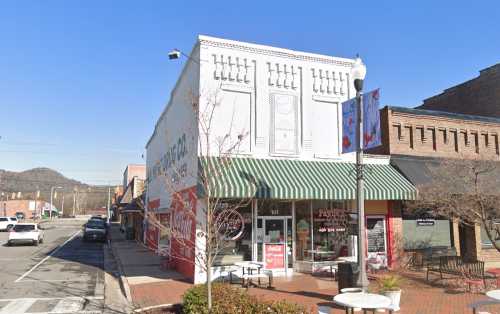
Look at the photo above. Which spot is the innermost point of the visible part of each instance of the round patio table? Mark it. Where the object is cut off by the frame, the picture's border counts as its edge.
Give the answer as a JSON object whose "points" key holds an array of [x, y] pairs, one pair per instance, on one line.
{"points": [[365, 301], [494, 294]]}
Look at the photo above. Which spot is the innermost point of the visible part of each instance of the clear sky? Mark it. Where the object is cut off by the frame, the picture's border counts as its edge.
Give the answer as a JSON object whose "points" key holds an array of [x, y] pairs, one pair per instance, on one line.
{"points": [[83, 82]]}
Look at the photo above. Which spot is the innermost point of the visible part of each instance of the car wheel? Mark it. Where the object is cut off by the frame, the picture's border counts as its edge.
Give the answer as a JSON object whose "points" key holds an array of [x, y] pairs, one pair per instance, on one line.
{"points": [[40, 241], [35, 242], [9, 243]]}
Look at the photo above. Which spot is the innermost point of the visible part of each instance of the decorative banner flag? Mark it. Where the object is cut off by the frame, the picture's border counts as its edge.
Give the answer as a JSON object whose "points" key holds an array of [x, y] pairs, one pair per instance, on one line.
{"points": [[349, 124], [371, 124]]}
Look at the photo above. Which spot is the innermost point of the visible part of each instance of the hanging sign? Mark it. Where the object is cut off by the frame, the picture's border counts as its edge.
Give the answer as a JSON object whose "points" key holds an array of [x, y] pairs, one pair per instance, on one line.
{"points": [[425, 222]]}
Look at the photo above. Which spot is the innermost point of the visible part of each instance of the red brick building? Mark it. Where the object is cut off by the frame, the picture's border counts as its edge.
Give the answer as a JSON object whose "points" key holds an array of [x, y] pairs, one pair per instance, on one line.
{"points": [[416, 140], [479, 96], [418, 132], [28, 207]]}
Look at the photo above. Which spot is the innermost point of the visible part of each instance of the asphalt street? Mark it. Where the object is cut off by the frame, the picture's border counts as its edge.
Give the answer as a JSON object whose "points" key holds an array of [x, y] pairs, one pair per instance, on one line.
{"points": [[61, 275]]}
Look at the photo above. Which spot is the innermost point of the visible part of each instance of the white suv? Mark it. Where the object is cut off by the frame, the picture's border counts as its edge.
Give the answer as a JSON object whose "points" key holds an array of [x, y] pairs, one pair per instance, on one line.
{"points": [[25, 233], [7, 222]]}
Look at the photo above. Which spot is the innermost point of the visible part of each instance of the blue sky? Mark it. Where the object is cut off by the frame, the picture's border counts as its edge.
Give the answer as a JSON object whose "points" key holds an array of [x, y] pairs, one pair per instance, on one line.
{"points": [[83, 82]]}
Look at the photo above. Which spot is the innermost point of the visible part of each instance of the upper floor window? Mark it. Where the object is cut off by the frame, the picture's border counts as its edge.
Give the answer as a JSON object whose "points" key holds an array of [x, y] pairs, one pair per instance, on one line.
{"points": [[284, 124]]}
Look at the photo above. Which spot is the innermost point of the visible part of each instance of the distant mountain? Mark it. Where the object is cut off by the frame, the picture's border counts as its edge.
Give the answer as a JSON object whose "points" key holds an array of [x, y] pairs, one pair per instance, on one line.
{"points": [[25, 184]]}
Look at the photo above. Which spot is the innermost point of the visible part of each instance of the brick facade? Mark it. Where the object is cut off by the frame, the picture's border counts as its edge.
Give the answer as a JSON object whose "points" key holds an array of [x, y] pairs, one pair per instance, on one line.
{"points": [[429, 133], [479, 96]]}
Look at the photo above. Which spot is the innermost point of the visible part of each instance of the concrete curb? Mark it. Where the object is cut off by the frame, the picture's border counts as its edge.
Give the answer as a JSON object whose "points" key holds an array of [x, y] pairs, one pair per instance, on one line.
{"points": [[123, 279]]}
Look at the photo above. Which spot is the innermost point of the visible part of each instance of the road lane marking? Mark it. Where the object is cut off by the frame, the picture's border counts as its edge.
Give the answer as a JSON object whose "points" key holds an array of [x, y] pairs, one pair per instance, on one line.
{"points": [[90, 297], [47, 257], [69, 305], [18, 306], [56, 280]]}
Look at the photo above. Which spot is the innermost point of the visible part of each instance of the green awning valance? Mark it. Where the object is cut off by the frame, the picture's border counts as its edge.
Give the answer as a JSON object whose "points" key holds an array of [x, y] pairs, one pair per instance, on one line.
{"points": [[230, 177]]}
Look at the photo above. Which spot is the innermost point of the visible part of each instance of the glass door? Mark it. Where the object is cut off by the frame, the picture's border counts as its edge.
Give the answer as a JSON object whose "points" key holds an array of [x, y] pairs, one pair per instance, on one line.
{"points": [[275, 240]]}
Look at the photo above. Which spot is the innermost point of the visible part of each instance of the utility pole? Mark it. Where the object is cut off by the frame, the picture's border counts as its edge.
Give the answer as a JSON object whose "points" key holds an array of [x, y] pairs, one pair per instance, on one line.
{"points": [[35, 211], [4, 204], [51, 198], [62, 205], [74, 201], [109, 200]]}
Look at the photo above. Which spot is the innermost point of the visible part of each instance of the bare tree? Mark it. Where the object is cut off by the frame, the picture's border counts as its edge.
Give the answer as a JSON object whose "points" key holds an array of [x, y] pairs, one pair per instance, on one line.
{"points": [[465, 190], [218, 219]]}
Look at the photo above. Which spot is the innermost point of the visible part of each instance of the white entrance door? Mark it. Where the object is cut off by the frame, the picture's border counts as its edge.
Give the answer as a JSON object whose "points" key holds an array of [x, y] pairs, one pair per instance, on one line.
{"points": [[277, 242]]}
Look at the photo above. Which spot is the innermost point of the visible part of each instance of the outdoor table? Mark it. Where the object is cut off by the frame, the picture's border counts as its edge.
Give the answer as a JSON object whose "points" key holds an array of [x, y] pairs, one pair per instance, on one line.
{"points": [[494, 294], [364, 301], [250, 267]]}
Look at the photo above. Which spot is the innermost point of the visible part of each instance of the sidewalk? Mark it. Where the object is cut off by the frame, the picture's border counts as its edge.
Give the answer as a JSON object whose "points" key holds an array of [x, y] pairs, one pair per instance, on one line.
{"points": [[417, 297], [144, 283]]}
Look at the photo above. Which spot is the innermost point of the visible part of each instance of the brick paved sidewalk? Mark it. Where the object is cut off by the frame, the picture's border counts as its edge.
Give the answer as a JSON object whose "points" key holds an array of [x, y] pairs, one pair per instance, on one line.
{"points": [[417, 297], [150, 286], [146, 284]]}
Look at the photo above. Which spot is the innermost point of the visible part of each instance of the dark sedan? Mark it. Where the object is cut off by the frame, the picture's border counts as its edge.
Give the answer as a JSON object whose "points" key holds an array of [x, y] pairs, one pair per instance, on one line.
{"points": [[95, 230]]}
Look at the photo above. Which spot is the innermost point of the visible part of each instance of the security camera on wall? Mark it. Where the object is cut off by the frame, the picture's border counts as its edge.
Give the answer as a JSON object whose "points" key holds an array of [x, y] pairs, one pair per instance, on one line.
{"points": [[174, 54]]}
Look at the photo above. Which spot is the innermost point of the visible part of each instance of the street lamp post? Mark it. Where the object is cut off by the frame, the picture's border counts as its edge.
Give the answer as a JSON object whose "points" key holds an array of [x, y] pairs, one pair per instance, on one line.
{"points": [[51, 196], [358, 73]]}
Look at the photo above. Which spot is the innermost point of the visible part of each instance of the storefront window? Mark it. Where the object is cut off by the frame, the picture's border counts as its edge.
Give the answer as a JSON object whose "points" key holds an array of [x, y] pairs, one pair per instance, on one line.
{"points": [[239, 249], [494, 232], [164, 242], [331, 227], [303, 230]]}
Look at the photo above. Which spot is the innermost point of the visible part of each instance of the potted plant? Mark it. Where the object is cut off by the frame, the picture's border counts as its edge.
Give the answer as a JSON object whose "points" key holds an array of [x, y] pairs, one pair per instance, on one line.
{"points": [[390, 286]]}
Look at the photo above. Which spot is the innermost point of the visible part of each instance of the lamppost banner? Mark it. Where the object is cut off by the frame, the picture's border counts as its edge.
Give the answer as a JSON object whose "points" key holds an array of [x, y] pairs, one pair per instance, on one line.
{"points": [[371, 123]]}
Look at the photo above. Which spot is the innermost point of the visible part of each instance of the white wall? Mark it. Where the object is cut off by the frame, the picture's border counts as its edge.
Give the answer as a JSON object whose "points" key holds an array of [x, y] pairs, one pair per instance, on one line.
{"points": [[171, 153], [287, 102]]}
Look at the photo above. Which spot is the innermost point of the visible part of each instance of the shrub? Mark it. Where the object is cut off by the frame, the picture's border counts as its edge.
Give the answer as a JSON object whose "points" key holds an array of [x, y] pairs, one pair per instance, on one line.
{"points": [[390, 283], [227, 299]]}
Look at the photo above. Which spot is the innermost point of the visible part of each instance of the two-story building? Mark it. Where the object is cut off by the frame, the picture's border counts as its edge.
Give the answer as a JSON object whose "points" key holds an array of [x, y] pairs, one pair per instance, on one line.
{"points": [[275, 114]]}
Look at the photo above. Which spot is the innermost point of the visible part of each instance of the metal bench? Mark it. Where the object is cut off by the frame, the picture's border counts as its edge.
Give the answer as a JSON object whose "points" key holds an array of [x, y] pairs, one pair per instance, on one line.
{"points": [[473, 272]]}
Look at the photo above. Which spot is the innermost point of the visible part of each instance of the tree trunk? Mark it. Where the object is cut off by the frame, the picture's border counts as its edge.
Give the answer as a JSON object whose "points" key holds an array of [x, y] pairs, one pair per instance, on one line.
{"points": [[209, 288]]}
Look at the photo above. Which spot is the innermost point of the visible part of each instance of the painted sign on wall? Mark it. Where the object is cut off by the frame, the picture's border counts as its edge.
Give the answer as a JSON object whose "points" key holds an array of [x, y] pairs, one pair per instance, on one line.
{"points": [[371, 123], [183, 230], [275, 256]]}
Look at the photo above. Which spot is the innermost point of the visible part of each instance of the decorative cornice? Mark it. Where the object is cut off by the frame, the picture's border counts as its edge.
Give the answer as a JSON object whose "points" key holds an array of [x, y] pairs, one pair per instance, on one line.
{"points": [[274, 52]]}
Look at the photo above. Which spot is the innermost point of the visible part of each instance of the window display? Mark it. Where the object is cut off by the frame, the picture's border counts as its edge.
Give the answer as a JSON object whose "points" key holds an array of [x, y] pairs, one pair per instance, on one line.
{"points": [[239, 247]]}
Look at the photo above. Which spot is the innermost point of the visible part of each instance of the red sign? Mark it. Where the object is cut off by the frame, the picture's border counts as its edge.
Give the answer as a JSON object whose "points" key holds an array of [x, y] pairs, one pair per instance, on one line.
{"points": [[275, 256]]}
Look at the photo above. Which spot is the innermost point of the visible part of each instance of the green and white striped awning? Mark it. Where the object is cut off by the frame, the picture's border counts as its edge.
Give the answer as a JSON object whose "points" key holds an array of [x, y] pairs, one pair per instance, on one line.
{"points": [[229, 177]]}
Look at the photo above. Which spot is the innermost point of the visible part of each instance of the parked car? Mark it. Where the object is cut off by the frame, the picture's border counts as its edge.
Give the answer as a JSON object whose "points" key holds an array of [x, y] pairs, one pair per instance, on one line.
{"points": [[20, 216], [7, 222], [101, 218], [95, 230], [23, 233]]}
